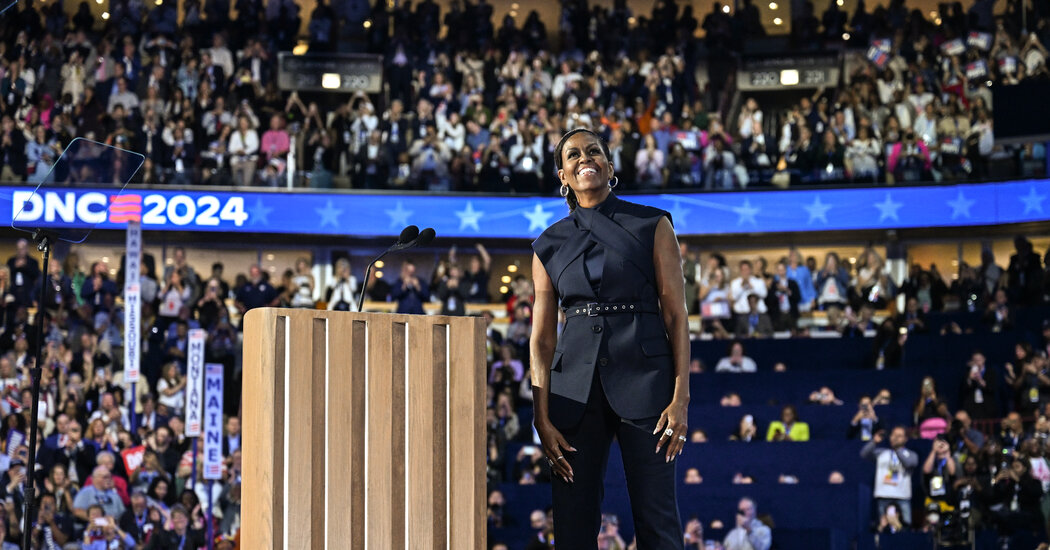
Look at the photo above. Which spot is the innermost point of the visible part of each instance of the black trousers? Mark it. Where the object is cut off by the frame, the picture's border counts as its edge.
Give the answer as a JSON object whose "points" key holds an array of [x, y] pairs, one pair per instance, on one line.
{"points": [[650, 480]]}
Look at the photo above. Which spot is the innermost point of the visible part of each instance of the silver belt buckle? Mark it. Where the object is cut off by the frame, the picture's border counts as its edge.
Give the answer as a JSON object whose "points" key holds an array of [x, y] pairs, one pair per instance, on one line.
{"points": [[592, 309]]}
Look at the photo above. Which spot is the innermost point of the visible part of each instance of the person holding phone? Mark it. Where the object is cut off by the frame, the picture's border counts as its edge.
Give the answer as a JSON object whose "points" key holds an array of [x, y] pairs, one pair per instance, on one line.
{"points": [[865, 422], [893, 469], [750, 533], [620, 366], [609, 538]]}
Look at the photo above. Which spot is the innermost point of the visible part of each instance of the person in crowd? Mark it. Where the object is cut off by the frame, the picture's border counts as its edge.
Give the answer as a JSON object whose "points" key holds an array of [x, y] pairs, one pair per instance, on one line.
{"points": [[979, 392], [736, 361], [342, 295], [740, 289], [832, 284], [939, 472], [746, 430], [409, 291], [890, 521], [303, 283], [1014, 499], [789, 427], [893, 471], [101, 493], [451, 291], [476, 278], [749, 532], [649, 164], [256, 292], [865, 423], [714, 303], [178, 532], [563, 379]]}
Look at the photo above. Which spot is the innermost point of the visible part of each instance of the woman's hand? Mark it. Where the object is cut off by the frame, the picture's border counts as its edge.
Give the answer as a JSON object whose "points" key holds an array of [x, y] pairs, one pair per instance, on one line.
{"points": [[555, 446], [674, 418]]}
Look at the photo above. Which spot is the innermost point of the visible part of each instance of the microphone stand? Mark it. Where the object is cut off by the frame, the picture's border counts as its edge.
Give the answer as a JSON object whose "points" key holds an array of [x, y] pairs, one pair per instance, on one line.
{"points": [[43, 241], [417, 238]]}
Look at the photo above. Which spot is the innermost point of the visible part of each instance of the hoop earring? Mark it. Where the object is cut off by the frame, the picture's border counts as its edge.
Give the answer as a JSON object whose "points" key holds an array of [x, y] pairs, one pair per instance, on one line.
{"points": [[564, 191], [615, 181]]}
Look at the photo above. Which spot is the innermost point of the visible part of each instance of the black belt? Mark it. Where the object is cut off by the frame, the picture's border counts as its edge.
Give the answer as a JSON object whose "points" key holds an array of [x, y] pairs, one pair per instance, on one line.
{"points": [[594, 309]]}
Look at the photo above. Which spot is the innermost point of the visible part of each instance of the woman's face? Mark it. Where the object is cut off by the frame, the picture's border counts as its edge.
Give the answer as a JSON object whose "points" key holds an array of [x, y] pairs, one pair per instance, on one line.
{"points": [[58, 475], [584, 166], [1019, 352], [787, 415], [161, 489]]}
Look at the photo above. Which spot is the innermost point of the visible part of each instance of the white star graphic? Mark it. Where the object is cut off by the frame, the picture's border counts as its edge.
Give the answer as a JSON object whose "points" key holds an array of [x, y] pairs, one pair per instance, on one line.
{"points": [[961, 206], [888, 209], [259, 213], [678, 214], [329, 214], [1033, 202], [817, 211], [746, 213], [469, 217], [538, 218], [399, 216]]}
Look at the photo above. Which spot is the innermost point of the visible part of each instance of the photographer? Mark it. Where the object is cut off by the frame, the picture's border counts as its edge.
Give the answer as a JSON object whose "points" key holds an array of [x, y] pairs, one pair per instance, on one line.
{"points": [[865, 422], [938, 472], [979, 393], [971, 491], [1014, 501], [749, 533], [965, 440], [177, 532], [52, 529], [609, 537], [104, 534]]}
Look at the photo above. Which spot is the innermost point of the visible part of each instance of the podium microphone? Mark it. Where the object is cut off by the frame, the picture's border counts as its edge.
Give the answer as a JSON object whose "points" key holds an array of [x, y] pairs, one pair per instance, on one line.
{"points": [[410, 237]]}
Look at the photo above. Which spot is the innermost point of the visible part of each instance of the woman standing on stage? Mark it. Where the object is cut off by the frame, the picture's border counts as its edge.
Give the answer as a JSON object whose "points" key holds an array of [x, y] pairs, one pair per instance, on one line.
{"points": [[621, 365]]}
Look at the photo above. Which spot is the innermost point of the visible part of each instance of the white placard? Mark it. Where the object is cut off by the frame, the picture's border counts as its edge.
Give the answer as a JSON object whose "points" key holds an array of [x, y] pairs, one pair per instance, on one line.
{"points": [[213, 421], [194, 381], [132, 301]]}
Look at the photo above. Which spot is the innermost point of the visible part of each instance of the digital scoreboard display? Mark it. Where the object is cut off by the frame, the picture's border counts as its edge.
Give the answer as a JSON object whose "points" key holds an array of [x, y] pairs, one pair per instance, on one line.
{"points": [[782, 73], [330, 72]]}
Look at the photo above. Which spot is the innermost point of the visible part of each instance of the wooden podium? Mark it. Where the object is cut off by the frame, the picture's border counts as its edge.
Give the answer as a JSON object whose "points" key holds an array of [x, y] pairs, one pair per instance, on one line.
{"points": [[363, 431]]}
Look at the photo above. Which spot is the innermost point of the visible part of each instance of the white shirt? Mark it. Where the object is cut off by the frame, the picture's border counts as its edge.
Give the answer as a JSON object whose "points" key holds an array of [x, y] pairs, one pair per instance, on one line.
{"points": [[245, 145], [739, 294], [759, 538], [725, 364], [892, 478], [344, 291]]}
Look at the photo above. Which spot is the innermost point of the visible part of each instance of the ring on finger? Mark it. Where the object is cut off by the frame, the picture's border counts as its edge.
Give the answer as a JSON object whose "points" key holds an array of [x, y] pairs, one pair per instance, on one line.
{"points": [[681, 438], [669, 432]]}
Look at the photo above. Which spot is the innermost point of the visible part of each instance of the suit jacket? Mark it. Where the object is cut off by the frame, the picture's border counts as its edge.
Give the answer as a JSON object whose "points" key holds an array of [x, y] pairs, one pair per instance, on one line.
{"points": [[629, 350]]}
